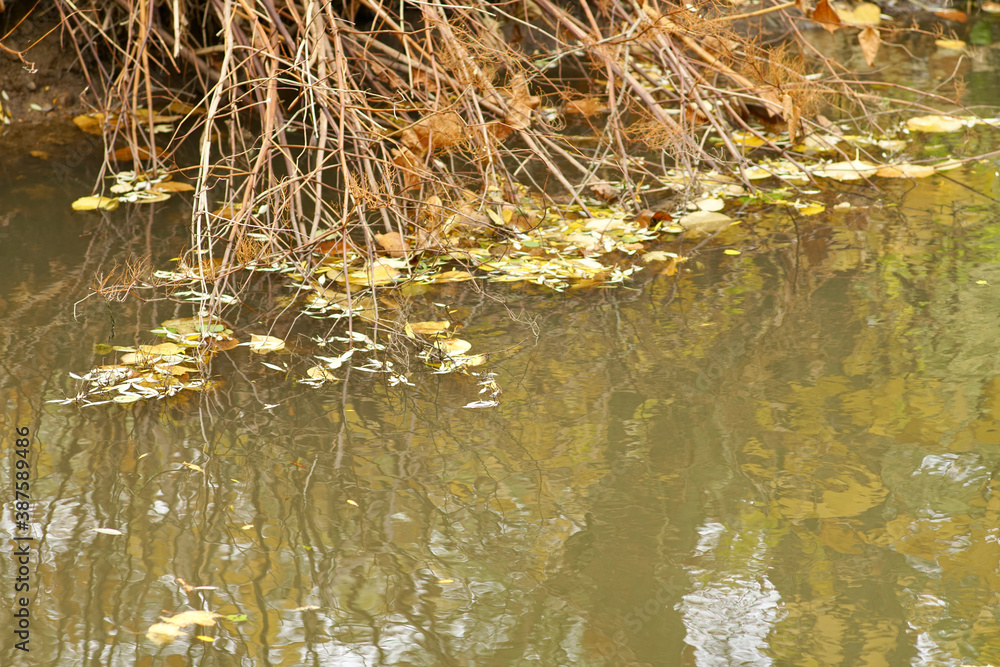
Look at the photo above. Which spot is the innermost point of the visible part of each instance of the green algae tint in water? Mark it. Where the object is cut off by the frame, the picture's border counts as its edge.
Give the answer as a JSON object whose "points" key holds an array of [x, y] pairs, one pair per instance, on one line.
{"points": [[784, 457]]}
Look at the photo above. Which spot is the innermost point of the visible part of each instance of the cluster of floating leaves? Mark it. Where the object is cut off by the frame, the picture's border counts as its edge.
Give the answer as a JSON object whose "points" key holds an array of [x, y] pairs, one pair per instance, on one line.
{"points": [[500, 236], [156, 371], [133, 188]]}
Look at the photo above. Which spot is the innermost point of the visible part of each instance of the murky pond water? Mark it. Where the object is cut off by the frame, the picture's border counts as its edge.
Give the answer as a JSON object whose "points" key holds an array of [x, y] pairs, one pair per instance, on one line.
{"points": [[783, 457]]}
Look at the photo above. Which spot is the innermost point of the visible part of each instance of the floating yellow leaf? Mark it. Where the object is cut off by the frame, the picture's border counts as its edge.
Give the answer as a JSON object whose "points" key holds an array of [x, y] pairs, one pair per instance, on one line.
{"points": [[704, 222], [351, 502], [731, 251], [321, 373], [173, 186], [934, 123], [847, 171], [427, 328], [953, 44], [812, 209], [193, 466], [193, 617], [162, 349], [205, 638], [453, 346], [711, 204], [265, 344], [863, 14], [94, 202], [163, 633], [905, 170]]}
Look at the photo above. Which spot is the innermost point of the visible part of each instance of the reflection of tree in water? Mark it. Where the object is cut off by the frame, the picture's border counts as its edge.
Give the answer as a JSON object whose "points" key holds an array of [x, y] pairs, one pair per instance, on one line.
{"points": [[661, 458]]}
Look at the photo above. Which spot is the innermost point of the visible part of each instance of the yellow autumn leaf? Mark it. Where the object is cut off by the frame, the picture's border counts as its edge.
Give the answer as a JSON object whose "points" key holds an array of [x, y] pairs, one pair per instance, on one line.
{"points": [[264, 344], [812, 209], [934, 123], [427, 328], [863, 14], [453, 346], [953, 44], [193, 617], [163, 633], [905, 170], [94, 202]]}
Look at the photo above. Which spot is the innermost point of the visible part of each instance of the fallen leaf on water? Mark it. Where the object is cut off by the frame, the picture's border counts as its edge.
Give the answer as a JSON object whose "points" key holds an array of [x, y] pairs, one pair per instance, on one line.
{"points": [[94, 202], [193, 617], [453, 346], [265, 344], [704, 222], [863, 14], [731, 251], [321, 373], [905, 170], [952, 15], [934, 123], [847, 171], [953, 44], [712, 204], [108, 531], [427, 328], [193, 466], [163, 633], [174, 186], [393, 243]]}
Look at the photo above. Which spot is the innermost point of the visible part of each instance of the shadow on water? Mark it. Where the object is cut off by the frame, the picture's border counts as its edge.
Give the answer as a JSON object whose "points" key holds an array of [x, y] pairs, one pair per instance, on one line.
{"points": [[784, 457]]}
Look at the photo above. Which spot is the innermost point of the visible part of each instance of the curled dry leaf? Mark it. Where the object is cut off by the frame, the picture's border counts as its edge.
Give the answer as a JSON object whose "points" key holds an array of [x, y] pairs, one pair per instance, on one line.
{"points": [[587, 106], [95, 202], [825, 16], [870, 41], [521, 104], [435, 133], [393, 243]]}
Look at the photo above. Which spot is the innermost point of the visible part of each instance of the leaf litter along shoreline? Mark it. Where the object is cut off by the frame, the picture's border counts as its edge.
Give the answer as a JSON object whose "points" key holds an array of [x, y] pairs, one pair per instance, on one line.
{"points": [[430, 142], [553, 246]]}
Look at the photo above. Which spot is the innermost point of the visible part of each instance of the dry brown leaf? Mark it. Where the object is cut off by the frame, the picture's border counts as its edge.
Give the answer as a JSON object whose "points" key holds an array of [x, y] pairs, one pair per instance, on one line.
{"points": [[500, 131], [126, 154], [825, 16], [94, 123], [869, 41], [393, 243], [791, 114], [587, 106], [435, 133], [174, 186], [521, 104]]}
